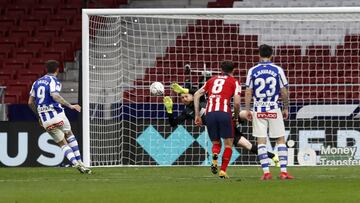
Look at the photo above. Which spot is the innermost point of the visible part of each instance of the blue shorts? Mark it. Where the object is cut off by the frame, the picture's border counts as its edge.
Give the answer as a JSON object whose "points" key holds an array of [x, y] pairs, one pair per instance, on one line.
{"points": [[219, 125]]}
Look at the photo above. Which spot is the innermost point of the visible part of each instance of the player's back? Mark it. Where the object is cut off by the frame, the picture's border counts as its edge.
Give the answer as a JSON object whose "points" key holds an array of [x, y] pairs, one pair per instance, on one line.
{"points": [[42, 89], [266, 80], [220, 89]]}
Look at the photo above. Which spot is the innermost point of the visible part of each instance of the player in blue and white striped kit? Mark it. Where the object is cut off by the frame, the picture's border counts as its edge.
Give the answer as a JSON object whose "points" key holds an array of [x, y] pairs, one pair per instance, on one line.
{"points": [[46, 102], [265, 83]]}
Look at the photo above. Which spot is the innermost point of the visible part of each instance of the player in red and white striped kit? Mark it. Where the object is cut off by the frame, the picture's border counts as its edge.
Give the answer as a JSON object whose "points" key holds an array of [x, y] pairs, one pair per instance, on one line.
{"points": [[220, 89]]}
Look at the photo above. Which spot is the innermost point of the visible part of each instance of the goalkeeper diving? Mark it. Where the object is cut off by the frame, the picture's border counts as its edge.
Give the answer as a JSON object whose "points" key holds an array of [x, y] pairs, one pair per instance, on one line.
{"points": [[187, 98]]}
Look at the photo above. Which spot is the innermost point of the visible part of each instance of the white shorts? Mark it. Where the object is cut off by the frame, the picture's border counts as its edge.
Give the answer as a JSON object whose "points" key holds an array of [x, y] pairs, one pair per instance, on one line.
{"points": [[272, 120], [57, 126]]}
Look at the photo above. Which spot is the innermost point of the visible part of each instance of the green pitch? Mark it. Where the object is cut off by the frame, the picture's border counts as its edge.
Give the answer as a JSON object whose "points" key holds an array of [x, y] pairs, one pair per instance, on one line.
{"points": [[178, 184]]}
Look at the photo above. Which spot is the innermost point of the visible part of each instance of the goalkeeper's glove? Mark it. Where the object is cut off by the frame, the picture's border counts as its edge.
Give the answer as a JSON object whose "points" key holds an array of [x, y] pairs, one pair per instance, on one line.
{"points": [[178, 89], [168, 103]]}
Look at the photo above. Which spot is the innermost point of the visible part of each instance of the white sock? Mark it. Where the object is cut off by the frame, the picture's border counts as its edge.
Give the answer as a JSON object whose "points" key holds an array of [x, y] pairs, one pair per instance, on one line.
{"points": [[72, 142], [283, 154], [263, 157], [69, 154]]}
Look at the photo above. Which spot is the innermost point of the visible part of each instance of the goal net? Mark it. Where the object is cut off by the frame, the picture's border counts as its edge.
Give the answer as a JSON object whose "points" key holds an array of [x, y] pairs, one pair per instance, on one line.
{"points": [[125, 50]]}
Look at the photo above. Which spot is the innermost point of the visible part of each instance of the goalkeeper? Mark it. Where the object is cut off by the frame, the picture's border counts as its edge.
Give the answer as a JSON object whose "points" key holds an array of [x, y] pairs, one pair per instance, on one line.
{"points": [[186, 96]]}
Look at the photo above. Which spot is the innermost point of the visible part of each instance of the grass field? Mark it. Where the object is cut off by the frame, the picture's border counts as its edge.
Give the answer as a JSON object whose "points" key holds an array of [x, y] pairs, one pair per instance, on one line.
{"points": [[177, 184]]}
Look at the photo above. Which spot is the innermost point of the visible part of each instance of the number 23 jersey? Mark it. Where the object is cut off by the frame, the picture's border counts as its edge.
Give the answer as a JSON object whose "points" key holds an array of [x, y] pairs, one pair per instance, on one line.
{"points": [[220, 89], [266, 81]]}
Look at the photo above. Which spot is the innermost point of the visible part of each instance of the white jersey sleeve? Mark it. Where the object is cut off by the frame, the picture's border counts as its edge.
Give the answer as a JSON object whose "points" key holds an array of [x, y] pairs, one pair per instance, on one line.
{"points": [[54, 86], [32, 92], [283, 80], [249, 82]]}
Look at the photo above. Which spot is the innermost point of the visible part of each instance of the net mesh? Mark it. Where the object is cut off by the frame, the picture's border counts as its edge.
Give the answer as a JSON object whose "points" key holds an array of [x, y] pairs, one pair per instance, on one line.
{"points": [[128, 126]]}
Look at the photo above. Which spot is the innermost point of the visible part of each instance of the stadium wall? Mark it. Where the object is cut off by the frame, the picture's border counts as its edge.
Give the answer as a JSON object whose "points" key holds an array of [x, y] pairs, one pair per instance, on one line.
{"points": [[27, 144]]}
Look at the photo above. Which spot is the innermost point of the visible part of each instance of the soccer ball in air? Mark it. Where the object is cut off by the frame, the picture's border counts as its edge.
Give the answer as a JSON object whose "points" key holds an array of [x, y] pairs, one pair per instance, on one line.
{"points": [[157, 89]]}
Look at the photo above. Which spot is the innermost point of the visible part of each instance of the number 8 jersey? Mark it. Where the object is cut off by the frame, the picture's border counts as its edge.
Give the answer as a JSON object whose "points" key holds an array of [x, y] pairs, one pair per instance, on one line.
{"points": [[41, 90], [219, 90], [266, 80]]}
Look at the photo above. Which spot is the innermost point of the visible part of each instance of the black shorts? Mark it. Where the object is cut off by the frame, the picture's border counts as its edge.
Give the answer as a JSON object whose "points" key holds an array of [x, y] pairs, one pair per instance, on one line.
{"points": [[219, 125]]}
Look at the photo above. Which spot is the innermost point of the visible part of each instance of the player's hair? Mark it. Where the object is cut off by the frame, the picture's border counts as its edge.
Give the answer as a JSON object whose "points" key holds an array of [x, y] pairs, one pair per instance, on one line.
{"points": [[227, 66], [52, 66], [265, 51]]}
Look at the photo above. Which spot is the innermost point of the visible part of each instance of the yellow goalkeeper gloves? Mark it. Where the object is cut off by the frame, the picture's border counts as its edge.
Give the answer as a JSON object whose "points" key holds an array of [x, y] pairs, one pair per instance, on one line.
{"points": [[168, 103], [178, 89]]}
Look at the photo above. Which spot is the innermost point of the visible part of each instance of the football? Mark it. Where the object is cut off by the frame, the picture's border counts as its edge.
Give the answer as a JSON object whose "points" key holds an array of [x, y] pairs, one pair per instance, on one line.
{"points": [[157, 89]]}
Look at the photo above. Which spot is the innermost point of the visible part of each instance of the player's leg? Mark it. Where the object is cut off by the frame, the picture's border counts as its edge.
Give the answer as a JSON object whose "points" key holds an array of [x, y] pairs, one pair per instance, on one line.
{"points": [[241, 141], [71, 139], [263, 157], [283, 157], [216, 147], [260, 132], [253, 148], [212, 129], [72, 142], [59, 138], [277, 130], [226, 157], [226, 129]]}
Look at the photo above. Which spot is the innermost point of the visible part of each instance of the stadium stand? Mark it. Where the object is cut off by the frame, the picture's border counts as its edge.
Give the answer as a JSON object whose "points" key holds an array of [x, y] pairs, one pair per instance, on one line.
{"points": [[203, 44], [33, 31], [36, 30]]}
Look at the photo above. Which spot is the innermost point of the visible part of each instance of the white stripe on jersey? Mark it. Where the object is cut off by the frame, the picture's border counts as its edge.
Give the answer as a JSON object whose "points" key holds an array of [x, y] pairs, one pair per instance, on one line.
{"points": [[249, 82], [47, 116], [217, 104], [52, 85], [32, 92], [210, 105], [282, 77], [225, 105]]}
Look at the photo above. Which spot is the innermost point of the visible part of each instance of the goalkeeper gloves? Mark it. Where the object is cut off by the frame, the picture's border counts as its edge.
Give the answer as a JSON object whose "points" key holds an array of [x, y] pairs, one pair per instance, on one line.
{"points": [[168, 103], [178, 89]]}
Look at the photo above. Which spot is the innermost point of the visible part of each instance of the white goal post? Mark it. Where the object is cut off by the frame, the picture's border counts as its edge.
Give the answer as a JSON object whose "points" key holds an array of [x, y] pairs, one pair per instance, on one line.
{"points": [[125, 50]]}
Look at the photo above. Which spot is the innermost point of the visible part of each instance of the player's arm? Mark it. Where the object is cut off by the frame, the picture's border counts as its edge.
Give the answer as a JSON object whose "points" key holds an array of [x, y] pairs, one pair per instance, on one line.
{"points": [[179, 89], [55, 88], [236, 107], [197, 95], [168, 103], [58, 98], [31, 101], [284, 93], [32, 105], [248, 95], [237, 101], [285, 100], [178, 120]]}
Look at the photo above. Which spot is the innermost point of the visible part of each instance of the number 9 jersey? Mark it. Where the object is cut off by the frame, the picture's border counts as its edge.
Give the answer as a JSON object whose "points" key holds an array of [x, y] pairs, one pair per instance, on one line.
{"points": [[41, 90], [266, 80], [219, 90]]}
